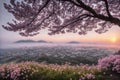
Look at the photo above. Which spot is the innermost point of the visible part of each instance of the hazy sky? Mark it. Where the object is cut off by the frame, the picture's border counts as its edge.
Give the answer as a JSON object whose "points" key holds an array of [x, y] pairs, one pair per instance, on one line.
{"points": [[112, 36]]}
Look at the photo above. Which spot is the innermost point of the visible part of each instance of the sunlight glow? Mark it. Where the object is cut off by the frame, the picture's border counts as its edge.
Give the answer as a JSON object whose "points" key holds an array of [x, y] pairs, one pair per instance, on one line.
{"points": [[113, 39]]}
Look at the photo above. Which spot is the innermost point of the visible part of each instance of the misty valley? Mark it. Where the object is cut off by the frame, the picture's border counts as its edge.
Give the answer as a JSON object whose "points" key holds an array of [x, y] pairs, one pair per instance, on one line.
{"points": [[55, 53]]}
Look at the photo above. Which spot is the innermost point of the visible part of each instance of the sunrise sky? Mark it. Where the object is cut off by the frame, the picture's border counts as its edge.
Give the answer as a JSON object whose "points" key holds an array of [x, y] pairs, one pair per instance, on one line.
{"points": [[112, 36]]}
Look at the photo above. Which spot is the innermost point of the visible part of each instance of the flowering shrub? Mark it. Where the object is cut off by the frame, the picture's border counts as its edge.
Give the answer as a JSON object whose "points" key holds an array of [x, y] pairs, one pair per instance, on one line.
{"points": [[22, 71], [40, 71], [110, 63]]}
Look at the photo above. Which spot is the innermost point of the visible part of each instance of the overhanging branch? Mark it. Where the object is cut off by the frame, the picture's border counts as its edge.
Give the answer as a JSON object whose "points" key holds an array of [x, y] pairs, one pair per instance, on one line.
{"points": [[107, 8], [40, 9], [71, 22], [108, 18]]}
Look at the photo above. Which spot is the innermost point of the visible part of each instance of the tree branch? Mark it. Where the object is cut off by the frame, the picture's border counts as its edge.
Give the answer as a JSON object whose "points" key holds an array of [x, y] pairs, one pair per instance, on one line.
{"points": [[72, 21], [113, 20], [107, 8], [40, 9], [108, 18], [84, 6]]}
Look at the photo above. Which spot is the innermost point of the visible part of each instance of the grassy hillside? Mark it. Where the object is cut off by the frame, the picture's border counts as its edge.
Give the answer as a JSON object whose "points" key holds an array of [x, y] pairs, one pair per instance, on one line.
{"points": [[107, 69]]}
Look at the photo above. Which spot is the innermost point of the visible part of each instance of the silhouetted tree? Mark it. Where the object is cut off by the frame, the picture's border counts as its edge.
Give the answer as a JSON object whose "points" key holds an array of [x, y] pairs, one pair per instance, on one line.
{"points": [[60, 16]]}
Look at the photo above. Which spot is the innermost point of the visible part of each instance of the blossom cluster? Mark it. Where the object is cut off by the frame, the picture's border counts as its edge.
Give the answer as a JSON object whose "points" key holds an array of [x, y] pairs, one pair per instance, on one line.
{"points": [[16, 71], [40, 71], [110, 63]]}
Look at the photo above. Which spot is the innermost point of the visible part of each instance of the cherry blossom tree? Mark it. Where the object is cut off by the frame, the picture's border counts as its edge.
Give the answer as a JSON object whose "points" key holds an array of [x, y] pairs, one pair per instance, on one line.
{"points": [[61, 16]]}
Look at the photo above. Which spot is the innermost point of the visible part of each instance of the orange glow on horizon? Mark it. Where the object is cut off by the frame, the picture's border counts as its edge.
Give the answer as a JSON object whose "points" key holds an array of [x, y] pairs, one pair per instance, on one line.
{"points": [[113, 39]]}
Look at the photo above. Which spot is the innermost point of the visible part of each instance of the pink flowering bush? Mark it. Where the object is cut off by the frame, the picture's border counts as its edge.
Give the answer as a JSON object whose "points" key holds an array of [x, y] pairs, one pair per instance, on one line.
{"points": [[110, 63], [42, 71], [12, 71]]}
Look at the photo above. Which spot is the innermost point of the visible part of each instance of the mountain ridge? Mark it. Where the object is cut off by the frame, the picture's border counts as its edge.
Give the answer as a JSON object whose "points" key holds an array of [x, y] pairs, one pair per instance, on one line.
{"points": [[30, 41]]}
